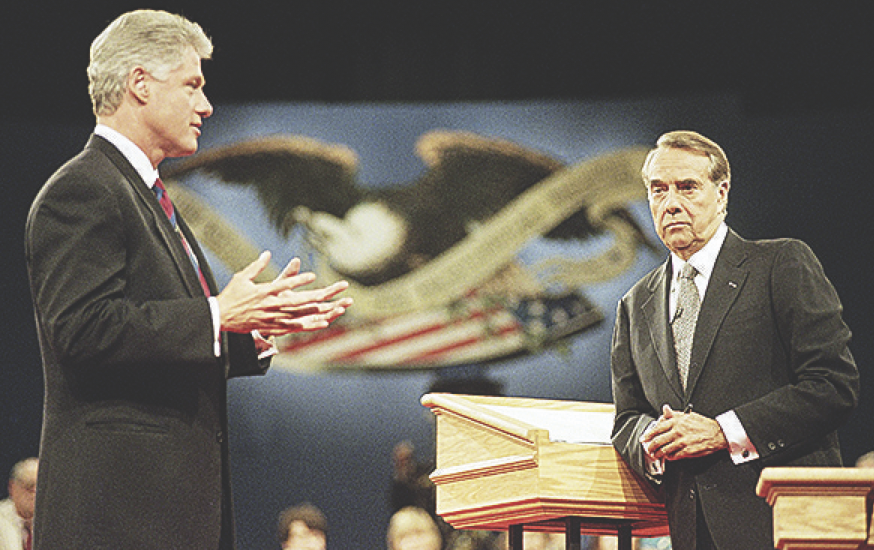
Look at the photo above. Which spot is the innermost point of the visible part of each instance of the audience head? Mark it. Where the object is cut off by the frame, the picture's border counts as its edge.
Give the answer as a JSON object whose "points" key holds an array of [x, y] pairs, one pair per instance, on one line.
{"points": [[412, 528], [866, 460], [303, 527], [22, 486]]}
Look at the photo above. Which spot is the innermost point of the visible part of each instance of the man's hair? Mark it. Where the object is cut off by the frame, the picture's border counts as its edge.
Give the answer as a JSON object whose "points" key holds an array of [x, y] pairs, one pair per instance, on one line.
{"points": [[719, 169], [18, 470], [154, 40], [311, 516]]}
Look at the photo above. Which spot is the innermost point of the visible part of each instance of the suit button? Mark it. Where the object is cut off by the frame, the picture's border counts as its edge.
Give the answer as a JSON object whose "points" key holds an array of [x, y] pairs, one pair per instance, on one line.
{"points": [[692, 494], [781, 443], [220, 436], [772, 446]]}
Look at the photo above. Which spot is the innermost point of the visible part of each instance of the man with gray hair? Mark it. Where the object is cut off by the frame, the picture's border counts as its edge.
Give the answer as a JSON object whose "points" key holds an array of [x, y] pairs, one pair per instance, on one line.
{"points": [[750, 332], [16, 512], [136, 339]]}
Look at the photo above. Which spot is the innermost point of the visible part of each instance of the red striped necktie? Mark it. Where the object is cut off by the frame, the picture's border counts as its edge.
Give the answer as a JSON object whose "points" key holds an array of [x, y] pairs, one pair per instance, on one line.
{"points": [[164, 199]]}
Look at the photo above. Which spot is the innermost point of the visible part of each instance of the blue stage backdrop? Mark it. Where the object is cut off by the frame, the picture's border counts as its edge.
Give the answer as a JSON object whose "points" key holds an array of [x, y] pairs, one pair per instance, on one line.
{"points": [[485, 243]]}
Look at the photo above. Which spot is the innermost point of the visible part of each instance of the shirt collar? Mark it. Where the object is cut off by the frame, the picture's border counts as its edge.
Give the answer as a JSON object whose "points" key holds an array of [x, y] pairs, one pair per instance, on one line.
{"points": [[131, 152], [705, 259]]}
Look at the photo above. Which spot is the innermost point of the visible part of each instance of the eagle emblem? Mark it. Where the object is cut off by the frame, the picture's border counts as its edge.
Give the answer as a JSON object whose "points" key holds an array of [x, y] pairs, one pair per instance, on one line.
{"points": [[434, 263]]}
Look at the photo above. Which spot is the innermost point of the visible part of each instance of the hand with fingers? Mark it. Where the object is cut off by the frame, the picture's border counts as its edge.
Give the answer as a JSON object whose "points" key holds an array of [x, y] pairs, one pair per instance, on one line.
{"points": [[278, 307], [678, 435]]}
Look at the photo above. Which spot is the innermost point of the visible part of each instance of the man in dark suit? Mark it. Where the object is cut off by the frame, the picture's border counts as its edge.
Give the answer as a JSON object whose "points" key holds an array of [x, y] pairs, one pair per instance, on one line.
{"points": [[765, 363], [137, 342]]}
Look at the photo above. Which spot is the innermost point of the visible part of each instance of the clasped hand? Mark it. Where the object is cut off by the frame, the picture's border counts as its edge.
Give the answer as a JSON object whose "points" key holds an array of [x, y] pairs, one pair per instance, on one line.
{"points": [[677, 435], [278, 307]]}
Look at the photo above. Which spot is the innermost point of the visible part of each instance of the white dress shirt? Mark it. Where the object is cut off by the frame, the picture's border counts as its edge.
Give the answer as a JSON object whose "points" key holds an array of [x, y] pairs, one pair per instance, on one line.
{"points": [[740, 446]]}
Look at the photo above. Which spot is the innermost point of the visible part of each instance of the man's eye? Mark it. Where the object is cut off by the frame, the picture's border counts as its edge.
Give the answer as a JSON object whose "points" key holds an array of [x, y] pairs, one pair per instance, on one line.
{"points": [[686, 186]]}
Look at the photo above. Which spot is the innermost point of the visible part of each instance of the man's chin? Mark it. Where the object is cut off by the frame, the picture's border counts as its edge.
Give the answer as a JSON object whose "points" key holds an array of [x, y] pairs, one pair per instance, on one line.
{"points": [[679, 246], [184, 151]]}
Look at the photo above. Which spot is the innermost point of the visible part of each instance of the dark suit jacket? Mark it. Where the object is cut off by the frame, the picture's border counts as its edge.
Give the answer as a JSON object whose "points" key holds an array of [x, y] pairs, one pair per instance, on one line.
{"points": [[134, 451], [769, 344]]}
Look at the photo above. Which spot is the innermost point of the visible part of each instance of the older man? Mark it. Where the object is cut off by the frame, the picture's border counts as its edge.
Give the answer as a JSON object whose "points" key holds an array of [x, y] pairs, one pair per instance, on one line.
{"points": [[137, 342], [16, 512], [730, 357]]}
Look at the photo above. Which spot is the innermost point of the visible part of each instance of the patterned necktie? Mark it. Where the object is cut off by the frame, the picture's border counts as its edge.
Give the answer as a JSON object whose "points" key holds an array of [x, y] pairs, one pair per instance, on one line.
{"points": [[164, 199], [683, 325]]}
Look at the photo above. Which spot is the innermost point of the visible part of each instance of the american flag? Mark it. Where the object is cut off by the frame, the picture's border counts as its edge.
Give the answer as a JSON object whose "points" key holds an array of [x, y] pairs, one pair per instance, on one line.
{"points": [[476, 329]]}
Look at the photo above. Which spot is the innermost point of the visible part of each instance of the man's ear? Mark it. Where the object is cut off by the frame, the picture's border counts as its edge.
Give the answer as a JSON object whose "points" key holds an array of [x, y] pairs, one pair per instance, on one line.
{"points": [[138, 84], [722, 189]]}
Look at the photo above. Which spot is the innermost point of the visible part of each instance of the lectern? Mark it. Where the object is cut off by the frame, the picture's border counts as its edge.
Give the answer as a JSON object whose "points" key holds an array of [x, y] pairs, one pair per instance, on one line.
{"points": [[510, 463], [820, 508]]}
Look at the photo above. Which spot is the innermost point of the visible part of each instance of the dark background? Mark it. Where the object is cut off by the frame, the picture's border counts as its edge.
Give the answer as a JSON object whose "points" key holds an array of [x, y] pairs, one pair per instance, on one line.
{"points": [[803, 71], [781, 57]]}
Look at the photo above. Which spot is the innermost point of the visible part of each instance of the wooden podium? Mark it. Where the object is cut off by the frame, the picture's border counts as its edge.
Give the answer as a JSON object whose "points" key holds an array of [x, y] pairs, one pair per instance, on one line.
{"points": [[507, 463], [820, 508]]}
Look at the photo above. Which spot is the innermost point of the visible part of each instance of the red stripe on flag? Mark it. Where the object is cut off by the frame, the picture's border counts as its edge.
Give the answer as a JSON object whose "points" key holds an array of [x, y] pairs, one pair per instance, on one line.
{"points": [[430, 356], [299, 342], [436, 327]]}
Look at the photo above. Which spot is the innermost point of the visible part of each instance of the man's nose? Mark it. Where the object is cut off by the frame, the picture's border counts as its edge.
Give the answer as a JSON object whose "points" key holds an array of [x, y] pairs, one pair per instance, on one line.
{"points": [[204, 108], [672, 200]]}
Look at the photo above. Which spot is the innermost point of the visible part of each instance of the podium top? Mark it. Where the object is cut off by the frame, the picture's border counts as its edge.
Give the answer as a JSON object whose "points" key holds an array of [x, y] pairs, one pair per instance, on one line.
{"points": [[775, 481], [565, 421]]}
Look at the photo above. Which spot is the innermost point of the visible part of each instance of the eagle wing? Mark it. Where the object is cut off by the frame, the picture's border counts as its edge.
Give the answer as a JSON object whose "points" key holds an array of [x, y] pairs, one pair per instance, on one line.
{"points": [[470, 178], [287, 171], [477, 175]]}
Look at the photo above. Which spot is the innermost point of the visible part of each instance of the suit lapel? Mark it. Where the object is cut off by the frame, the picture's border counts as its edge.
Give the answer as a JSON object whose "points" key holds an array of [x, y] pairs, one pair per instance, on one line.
{"points": [[725, 285], [655, 312], [149, 202]]}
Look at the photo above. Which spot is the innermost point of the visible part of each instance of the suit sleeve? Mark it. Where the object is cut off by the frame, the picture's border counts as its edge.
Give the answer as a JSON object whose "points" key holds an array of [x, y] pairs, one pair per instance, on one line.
{"points": [[793, 419], [243, 356], [633, 412], [86, 243]]}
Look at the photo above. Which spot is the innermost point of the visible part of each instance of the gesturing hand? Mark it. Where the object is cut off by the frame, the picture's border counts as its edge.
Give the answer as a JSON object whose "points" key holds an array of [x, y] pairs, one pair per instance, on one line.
{"points": [[278, 307], [679, 435]]}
